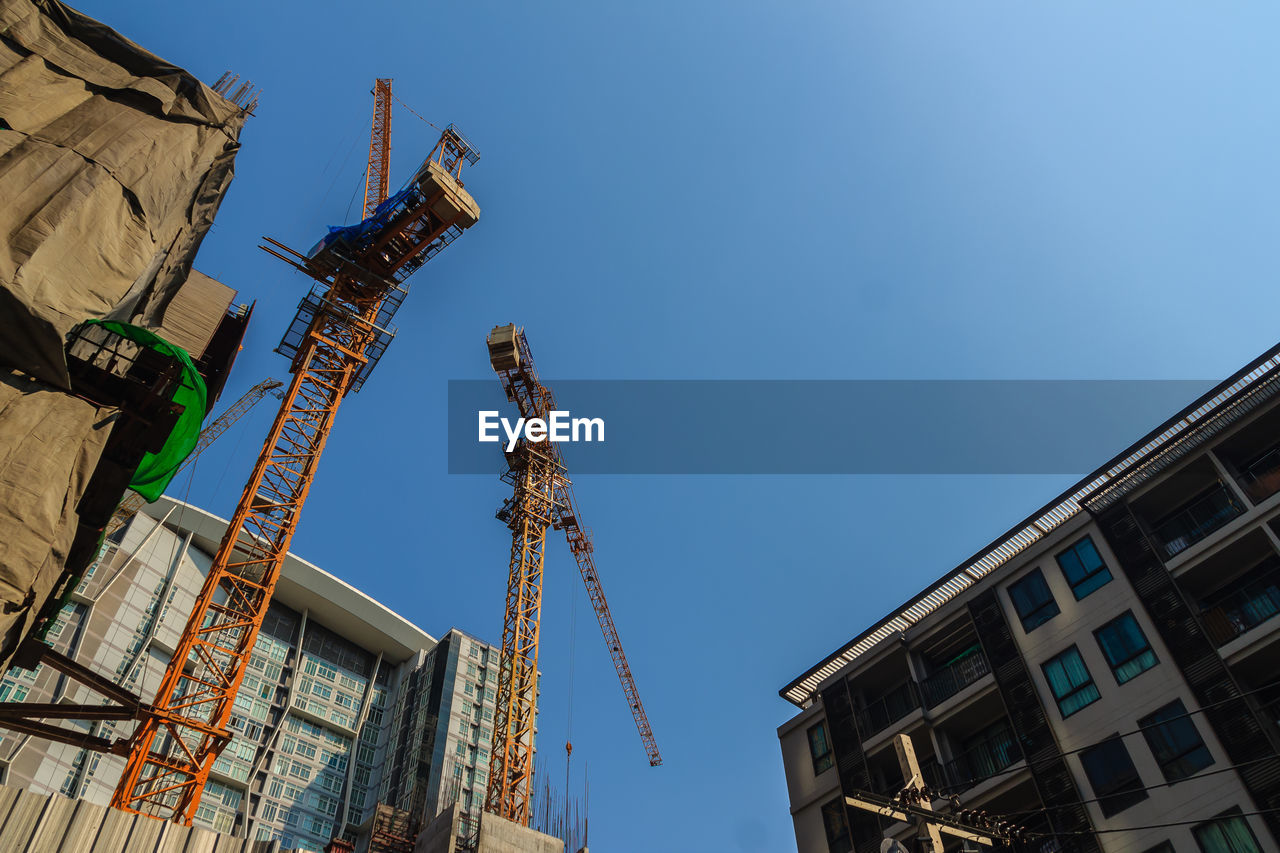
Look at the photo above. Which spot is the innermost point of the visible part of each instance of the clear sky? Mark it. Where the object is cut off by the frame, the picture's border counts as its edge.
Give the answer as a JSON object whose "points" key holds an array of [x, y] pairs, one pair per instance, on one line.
{"points": [[853, 189]]}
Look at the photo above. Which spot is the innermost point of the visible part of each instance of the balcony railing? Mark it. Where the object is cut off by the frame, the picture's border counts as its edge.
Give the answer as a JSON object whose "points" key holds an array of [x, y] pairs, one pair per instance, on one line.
{"points": [[1244, 609], [953, 678], [1261, 480], [1197, 520], [887, 710], [986, 758]]}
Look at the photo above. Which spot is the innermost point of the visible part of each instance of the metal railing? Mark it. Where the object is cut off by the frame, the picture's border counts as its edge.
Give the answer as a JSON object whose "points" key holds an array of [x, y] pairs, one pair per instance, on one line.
{"points": [[890, 708], [984, 759], [1261, 480], [1197, 520], [953, 678], [1244, 609]]}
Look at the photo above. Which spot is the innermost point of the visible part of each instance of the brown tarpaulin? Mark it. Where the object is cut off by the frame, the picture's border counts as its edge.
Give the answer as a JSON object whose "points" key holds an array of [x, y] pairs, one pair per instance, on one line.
{"points": [[112, 166], [51, 444]]}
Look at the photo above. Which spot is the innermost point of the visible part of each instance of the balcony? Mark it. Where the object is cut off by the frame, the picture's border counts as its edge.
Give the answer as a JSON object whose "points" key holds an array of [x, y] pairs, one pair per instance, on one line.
{"points": [[1195, 521], [987, 757], [887, 710], [1244, 608], [953, 678], [1261, 479]]}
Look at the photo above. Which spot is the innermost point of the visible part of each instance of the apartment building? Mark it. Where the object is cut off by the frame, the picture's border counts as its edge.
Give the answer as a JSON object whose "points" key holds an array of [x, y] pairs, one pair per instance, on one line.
{"points": [[344, 702], [1106, 674]]}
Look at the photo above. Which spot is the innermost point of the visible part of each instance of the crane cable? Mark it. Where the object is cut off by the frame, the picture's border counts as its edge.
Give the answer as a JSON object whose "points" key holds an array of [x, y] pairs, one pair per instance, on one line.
{"points": [[568, 740]]}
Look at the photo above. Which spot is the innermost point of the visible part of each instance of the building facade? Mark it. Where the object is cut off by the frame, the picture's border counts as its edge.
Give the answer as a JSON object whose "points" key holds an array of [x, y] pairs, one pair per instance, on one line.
{"points": [[1107, 674], [344, 702]]}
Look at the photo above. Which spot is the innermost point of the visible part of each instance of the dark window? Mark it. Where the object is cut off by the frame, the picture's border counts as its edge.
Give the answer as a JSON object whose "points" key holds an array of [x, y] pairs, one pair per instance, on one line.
{"points": [[839, 839], [1125, 647], [1111, 773], [1227, 833], [1033, 600], [1070, 681], [1083, 568], [1175, 742], [1162, 847], [820, 748]]}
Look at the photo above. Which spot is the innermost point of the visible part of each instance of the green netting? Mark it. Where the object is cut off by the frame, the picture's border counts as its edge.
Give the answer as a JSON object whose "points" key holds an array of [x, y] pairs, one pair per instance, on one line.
{"points": [[157, 469]]}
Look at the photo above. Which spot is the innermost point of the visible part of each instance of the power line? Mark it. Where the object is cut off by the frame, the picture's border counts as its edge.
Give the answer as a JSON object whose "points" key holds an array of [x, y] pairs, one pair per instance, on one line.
{"points": [[1207, 773], [1261, 813], [970, 783]]}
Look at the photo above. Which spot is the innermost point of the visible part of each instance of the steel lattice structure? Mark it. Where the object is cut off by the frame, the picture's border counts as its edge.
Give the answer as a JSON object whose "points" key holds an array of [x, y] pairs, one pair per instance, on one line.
{"points": [[378, 173], [542, 499], [338, 335]]}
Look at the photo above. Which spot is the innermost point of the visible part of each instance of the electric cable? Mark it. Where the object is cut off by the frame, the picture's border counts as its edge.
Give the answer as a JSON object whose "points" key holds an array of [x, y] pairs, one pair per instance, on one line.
{"points": [[970, 783]]}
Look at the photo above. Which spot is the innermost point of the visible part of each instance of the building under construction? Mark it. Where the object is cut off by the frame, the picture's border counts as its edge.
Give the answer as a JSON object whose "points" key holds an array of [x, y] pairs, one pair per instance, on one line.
{"points": [[112, 166], [346, 704]]}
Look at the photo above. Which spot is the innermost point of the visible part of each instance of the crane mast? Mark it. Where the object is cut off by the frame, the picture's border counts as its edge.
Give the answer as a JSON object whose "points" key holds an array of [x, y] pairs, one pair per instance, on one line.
{"points": [[134, 502], [542, 498], [378, 173], [340, 332]]}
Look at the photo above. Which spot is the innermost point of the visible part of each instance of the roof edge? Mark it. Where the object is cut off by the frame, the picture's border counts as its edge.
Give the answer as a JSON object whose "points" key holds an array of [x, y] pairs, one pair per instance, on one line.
{"points": [[1057, 511]]}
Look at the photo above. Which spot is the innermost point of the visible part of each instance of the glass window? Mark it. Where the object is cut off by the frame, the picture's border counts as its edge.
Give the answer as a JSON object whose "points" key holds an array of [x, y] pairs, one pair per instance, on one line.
{"points": [[1162, 847], [1083, 568], [1126, 647], [1175, 742], [1033, 600], [839, 840], [820, 749], [1115, 780], [1070, 681], [1228, 833]]}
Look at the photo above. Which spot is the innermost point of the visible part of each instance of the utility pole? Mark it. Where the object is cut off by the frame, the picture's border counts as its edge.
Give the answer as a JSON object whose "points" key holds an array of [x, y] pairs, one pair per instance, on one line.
{"points": [[915, 803], [910, 767]]}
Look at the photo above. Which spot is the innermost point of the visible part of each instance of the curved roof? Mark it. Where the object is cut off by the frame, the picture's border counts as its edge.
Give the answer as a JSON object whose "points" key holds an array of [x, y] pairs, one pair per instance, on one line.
{"points": [[329, 600]]}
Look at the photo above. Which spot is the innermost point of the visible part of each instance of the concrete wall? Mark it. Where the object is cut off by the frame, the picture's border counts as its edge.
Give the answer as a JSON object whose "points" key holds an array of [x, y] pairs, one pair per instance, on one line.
{"points": [[49, 823], [498, 835], [439, 836]]}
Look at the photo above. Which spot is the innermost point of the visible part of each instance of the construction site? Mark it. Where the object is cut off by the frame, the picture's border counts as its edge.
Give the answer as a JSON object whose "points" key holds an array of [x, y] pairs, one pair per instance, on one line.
{"points": [[175, 680]]}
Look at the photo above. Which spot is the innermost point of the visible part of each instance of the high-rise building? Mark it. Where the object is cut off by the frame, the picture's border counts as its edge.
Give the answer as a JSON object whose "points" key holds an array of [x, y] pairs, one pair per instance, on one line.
{"points": [[344, 703], [1106, 674]]}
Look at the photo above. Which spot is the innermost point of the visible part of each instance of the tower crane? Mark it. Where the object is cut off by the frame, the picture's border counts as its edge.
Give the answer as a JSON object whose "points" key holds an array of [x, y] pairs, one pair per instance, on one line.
{"points": [[339, 333], [542, 498], [134, 502]]}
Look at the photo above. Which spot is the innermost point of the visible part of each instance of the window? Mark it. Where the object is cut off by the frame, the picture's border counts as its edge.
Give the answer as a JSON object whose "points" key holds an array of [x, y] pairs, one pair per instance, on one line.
{"points": [[1126, 648], [1033, 601], [1070, 682], [839, 840], [1162, 847], [1115, 780], [1175, 742], [820, 749], [1228, 833], [1083, 568]]}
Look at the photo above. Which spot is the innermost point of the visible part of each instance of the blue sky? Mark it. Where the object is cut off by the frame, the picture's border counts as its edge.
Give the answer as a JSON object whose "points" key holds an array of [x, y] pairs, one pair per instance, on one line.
{"points": [[736, 190]]}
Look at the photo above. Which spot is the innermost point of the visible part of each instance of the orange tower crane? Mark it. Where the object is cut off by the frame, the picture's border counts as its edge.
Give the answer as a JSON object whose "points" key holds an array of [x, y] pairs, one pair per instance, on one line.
{"points": [[133, 502], [339, 333], [542, 499]]}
